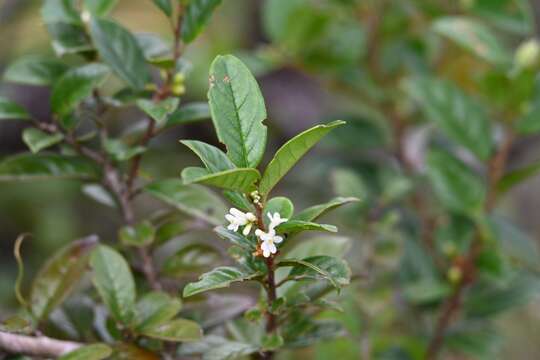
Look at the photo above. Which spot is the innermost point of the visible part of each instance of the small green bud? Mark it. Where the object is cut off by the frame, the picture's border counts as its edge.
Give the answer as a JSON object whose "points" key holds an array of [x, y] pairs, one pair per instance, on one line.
{"points": [[449, 249], [178, 89], [178, 78], [454, 274], [528, 54]]}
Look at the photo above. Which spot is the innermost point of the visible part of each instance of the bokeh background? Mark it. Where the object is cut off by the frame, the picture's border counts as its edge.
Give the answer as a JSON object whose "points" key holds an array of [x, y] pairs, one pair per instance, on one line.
{"points": [[297, 95]]}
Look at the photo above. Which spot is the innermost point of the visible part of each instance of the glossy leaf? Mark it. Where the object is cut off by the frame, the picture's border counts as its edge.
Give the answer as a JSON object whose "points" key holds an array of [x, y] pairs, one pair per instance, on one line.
{"points": [[456, 186], [312, 213], [46, 166], [235, 237], [193, 200], [88, 352], [516, 177], [213, 158], [164, 5], [76, 85], [120, 151], [336, 271], [239, 200], [475, 37], [114, 283], [213, 347], [99, 194], [34, 70], [530, 122], [175, 330], [190, 258], [139, 235], [99, 7], [119, 49], [159, 111], [454, 112], [289, 154], [59, 275], [220, 277], [187, 113], [279, 204], [124, 351], [60, 11], [68, 38], [38, 140], [235, 179], [295, 226], [197, 14], [156, 308], [238, 110], [12, 111]]}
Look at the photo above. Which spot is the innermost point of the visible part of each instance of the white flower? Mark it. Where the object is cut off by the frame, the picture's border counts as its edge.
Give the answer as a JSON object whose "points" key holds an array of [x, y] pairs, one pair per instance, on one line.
{"points": [[236, 218], [269, 241], [275, 220]]}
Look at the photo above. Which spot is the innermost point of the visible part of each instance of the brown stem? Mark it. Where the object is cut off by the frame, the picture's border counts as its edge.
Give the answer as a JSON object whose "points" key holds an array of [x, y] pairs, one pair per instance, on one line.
{"points": [[496, 169], [41, 346]]}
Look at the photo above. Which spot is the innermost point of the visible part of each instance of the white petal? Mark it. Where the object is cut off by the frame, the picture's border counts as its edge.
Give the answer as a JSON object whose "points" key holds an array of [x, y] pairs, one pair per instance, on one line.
{"points": [[278, 239], [259, 232], [266, 253], [247, 229], [272, 248], [230, 218], [269, 216], [250, 217], [237, 213], [265, 246]]}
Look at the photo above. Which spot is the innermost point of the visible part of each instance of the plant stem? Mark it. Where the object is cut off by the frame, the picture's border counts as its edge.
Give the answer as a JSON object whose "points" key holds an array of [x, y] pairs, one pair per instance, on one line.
{"points": [[41, 346]]}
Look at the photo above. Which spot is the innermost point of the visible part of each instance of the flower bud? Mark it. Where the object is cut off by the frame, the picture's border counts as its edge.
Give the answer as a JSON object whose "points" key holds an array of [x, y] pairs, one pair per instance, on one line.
{"points": [[454, 274], [178, 89], [528, 54]]}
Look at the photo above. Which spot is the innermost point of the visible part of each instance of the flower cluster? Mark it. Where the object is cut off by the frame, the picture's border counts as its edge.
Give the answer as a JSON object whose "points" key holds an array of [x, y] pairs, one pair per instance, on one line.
{"points": [[268, 239]]}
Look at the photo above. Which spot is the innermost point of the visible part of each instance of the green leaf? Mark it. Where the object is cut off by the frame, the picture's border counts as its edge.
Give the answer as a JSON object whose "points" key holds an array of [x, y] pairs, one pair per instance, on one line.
{"points": [[46, 166], [124, 351], [279, 204], [156, 308], [165, 6], [272, 342], [474, 37], [192, 257], [188, 113], [155, 48], [242, 180], [213, 347], [68, 38], [88, 352], [236, 238], [76, 85], [296, 226], [99, 194], [239, 200], [17, 325], [114, 283], [99, 7], [312, 213], [121, 151], [197, 14], [34, 70], [427, 291], [12, 111], [140, 235], [175, 330], [530, 122], [220, 277], [291, 152], [38, 140], [336, 271], [348, 183], [456, 186], [193, 200], [64, 11], [238, 110], [119, 49], [457, 114], [59, 275], [159, 111], [517, 176], [213, 158], [336, 246]]}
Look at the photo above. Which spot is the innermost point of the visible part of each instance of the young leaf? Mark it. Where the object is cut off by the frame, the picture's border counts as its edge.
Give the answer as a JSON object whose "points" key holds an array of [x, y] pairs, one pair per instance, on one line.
{"points": [[119, 49], [99, 7], [197, 14], [473, 36], [454, 112], [114, 283], [193, 200], [218, 278], [89, 352], [175, 330], [76, 85], [457, 187], [212, 157], [12, 111], [314, 212], [46, 166], [279, 204], [35, 70], [242, 180], [235, 237], [159, 111], [272, 342], [191, 258], [165, 6], [38, 140], [291, 152], [295, 226], [59, 275], [139, 235], [156, 308], [188, 113], [336, 271], [238, 110]]}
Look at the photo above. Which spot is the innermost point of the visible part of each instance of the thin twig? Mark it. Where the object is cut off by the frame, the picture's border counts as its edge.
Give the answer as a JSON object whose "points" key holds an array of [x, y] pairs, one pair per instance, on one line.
{"points": [[41, 346]]}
